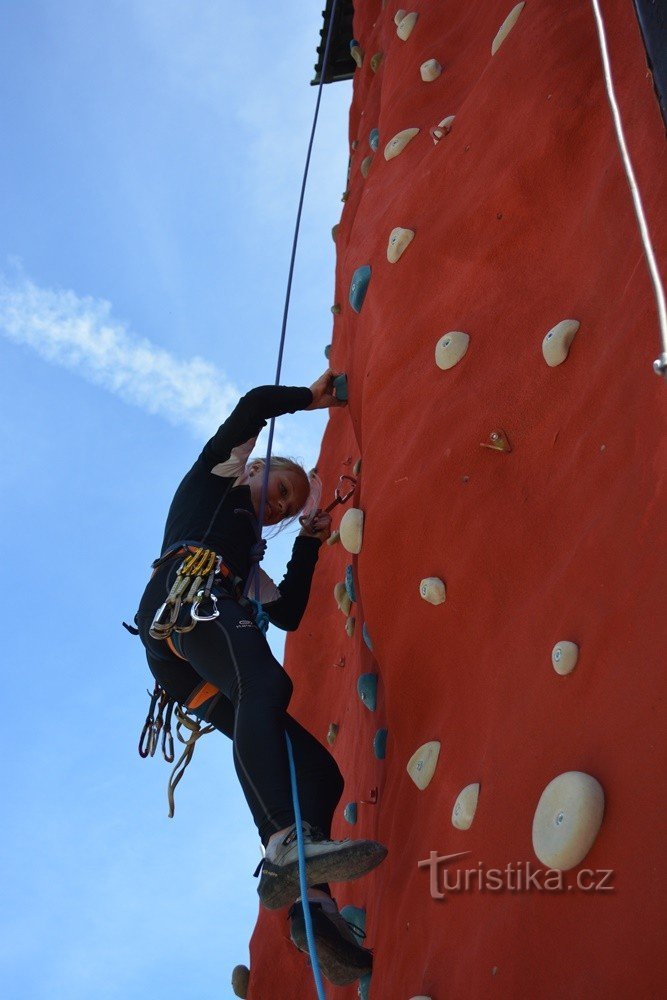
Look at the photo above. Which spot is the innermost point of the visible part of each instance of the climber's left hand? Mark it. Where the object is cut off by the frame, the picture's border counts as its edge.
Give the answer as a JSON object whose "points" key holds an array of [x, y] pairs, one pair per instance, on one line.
{"points": [[319, 526]]}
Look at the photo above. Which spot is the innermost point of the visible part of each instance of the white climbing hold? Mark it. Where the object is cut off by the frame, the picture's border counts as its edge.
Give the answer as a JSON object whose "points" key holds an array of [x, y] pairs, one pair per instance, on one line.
{"points": [[399, 15], [564, 657], [465, 806], [342, 599], [352, 530], [442, 128], [366, 165], [399, 240], [357, 52], [349, 626], [399, 142], [334, 537], [567, 819], [430, 70], [556, 344], [421, 765], [451, 348], [506, 27], [240, 980], [432, 589], [405, 26]]}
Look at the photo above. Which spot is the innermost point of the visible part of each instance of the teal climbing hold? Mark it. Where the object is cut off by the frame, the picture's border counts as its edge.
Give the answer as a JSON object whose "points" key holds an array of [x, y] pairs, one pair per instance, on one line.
{"points": [[364, 987], [327, 351], [340, 386], [366, 637], [367, 688], [349, 584], [350, 813], [380, 744], [374, 139], [359, 286], [356, 916]]}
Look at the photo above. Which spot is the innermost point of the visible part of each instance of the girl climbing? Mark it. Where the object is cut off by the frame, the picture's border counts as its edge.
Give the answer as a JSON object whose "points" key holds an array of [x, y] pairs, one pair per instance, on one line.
{"points": [[205, 649]]}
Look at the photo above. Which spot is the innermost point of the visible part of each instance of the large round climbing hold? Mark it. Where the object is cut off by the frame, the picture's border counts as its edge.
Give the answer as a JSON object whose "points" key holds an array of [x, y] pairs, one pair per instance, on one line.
{"points": [[430, 70], [567, 819], [506, 27], [399, 240], [450, 349], [240, 980], [399, 142], [367, 689], [352, 530], [422, 764], [564, 657], [465, 807], [433, 590], [556, 344], [359, 286], [342, 598], [349, 583], [405, 26]]}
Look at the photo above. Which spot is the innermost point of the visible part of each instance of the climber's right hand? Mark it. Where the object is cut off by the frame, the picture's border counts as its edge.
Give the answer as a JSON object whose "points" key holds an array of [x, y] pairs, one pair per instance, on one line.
{"points": [[323, 392]]}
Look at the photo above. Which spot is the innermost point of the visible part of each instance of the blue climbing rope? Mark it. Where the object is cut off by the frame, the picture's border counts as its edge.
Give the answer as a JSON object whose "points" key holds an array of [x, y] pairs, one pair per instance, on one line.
{"points": [[262, 618]]}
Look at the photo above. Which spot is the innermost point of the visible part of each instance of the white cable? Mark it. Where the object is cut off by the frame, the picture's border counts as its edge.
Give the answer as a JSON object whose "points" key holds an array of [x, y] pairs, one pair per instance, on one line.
{"points": [[660, 366]]}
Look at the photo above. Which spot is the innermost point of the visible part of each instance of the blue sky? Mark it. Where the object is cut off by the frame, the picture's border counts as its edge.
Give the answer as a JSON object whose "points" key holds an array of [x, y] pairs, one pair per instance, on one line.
{"points": [[152, 157]]}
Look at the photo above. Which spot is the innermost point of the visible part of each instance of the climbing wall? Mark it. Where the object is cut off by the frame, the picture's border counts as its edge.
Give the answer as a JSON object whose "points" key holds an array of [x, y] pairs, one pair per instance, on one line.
{"points": [[520, 475]]}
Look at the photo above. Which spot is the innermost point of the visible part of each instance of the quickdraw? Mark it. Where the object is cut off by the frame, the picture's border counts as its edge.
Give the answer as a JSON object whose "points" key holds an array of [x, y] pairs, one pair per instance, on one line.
{"points": [[191, 598], [342, 494]]}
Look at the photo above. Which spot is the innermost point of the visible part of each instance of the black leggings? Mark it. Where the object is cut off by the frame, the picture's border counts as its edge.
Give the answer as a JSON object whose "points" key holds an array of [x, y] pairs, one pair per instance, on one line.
{"points": [[232, 654]]}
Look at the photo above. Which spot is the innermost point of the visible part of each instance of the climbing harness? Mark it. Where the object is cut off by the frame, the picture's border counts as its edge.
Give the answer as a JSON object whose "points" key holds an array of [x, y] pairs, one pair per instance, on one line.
{"points": [[191, 598], [342, 494]]}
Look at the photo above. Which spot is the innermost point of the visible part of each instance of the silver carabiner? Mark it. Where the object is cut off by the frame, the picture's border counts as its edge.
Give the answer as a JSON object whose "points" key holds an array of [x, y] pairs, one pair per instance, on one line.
{"points": [[195, 608]]}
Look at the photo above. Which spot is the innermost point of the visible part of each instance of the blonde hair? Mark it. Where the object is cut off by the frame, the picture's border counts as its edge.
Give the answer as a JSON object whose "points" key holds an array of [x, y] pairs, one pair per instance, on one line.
{"points": [[311, 481]]}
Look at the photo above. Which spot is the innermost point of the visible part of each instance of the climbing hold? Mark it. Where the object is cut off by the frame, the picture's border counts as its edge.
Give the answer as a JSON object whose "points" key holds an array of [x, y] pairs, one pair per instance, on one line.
{"points": [[327, 351], [451, 348], [421, 765], [506, 27], [349, 583], [442, 128], [376, 60], [356, 52], [334, 537], [567, 819], [364, 987], [367, 687], [352, 530], [366, 637], [556, 344], [399, 142], [343, 599], [366, 165], [334, 231], [345, 195], [399, 239], [374, 139], [240, 980], [356, 468], [354, 915], [349, 626], [340, 386], [354, 145], [380, 744], [564, 657], [335, 309], [430, 70], [432, 589], [463, 812], [359, 286], [332, 733], [399, 15], [497, 441], [405, 26], [350, 813]]}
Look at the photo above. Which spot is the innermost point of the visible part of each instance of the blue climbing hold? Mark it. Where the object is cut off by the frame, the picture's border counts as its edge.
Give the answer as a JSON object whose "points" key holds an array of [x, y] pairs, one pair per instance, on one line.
{"points": [[327, 351], [374, 139], [380, 744], [340, 386], [349, 584], [359, 286], [364, 987], [350, 813], [356, 916], [366, 637], [367, 688]]}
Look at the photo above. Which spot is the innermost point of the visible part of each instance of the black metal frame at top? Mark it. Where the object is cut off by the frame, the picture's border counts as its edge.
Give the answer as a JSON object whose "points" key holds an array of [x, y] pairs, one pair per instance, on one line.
{"points": [[341, 65]]}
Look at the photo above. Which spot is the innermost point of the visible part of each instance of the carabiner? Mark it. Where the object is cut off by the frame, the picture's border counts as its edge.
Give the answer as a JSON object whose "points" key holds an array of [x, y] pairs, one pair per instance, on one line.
{"points": [[201, 597]]}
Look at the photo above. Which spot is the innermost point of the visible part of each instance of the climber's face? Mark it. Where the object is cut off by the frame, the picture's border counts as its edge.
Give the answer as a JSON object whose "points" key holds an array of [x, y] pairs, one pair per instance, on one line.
{"points": [[285, 496]]}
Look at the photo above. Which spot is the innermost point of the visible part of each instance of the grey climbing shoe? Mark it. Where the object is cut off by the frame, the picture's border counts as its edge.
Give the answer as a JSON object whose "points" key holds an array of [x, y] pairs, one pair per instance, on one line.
{"points": [[326, 861], [339, 953]]}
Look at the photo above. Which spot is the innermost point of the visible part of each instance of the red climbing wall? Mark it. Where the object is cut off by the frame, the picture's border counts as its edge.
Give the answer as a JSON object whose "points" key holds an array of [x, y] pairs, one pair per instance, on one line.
{"points": [[522, 218]]}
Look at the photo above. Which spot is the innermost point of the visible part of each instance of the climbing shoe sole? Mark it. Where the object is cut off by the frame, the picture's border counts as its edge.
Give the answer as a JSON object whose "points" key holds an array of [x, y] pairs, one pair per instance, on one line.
{"points": [[342, 962], [279, 884]]}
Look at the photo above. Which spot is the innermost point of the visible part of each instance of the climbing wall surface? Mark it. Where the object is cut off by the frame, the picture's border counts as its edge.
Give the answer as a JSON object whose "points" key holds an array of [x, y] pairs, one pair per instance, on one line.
{"points": [[522, 219]]}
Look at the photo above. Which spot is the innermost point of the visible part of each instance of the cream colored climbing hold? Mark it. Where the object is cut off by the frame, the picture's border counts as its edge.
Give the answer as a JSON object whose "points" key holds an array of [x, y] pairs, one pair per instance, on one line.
{"points": [[430, 70], [451, 348], [564, 656], [349, 626], [441, 129], [567, 819], [366, 165], [399, 142], [556, 344], [432, 589], [376, 60], [506, 27], [465, 806], [352, 530], [399, 240], [334, 537], [342, 598], [405, 26], [240, 980], [357, 52], [421, 765], [398, 16]]}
